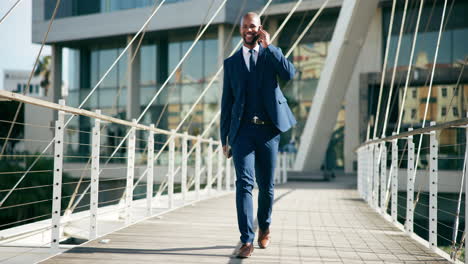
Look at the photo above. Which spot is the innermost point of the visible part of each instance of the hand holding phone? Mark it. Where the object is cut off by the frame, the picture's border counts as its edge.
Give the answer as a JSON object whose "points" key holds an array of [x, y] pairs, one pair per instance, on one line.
{"points": [[264, 37]]}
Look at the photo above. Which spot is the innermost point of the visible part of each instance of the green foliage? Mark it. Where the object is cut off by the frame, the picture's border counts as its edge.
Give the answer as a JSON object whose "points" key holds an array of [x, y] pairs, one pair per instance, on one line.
{"points": [[40, 198], [8, 113]]}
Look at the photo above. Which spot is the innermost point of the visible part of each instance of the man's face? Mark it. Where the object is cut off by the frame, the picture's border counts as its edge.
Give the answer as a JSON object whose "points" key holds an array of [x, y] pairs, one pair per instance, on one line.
{"points": [[249, 30]]}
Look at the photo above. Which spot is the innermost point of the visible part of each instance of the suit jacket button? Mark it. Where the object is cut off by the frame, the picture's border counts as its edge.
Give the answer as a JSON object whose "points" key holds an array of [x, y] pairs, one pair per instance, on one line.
{"points": [[239, 118]]}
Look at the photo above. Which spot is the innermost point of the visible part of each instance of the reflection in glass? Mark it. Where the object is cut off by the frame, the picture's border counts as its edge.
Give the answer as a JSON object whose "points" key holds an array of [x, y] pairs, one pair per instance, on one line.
{"points": [[211, 58], [148, 54], [192, 68], [106, 58]]}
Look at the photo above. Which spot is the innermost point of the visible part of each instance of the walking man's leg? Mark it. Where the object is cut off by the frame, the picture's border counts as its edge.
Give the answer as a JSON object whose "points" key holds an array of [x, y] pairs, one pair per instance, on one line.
{"points": [[265, 163], [244, 162]]}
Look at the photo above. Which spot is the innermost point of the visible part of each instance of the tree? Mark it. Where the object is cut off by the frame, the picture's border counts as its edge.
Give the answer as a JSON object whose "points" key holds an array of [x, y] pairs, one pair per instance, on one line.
{"points": [[43, 70]]}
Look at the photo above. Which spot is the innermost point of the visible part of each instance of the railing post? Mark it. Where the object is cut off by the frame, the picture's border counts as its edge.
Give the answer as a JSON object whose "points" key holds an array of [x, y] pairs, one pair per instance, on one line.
{"points": [[359, 172], [370, 172], [433, 179], [57, 189], [284, 165], [410, 186], [197, 167], [95, 152], [375, 174], [150, 173], [130, 174], [228, 174], [220, 168], [210, 166], [183, 178], [383, 176], [394, 178], [171, 167]]}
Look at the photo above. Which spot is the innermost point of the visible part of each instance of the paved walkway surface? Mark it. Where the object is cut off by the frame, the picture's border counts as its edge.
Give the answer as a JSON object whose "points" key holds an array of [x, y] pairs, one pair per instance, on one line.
{"points": [[313, 222]]}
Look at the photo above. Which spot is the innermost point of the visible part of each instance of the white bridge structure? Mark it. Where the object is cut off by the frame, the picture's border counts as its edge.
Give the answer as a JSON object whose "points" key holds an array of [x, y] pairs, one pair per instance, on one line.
{"points": [[146, 200]]}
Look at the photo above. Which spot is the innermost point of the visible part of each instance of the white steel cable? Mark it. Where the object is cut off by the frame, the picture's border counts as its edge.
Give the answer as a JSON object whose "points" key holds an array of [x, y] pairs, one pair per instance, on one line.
{"points": [[201, 96], [119, 57], [430, 88], [312, 21], [408, 74], [19, 106], [457, 219], [168, 79], [400, 118], [395, 65], [161, 89], [384, 69], [222, 67], [71, 117], [9, 11], [44, 39]]}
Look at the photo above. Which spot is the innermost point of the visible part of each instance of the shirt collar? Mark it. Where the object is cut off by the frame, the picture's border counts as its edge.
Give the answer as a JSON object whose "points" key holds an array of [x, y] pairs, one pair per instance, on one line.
{"points": [[245, 50]]}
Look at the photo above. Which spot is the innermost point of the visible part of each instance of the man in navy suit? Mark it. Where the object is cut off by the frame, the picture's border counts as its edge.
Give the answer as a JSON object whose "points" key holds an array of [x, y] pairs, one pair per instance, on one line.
{"points": [[254, 112]]}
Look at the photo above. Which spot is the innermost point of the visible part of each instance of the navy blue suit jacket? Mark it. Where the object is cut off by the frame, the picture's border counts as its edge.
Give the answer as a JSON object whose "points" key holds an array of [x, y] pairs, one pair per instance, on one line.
{"points": [[270, 64]]}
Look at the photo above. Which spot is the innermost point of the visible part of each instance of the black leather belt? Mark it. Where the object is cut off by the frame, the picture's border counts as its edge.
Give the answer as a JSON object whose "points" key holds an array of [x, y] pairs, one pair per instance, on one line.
{"points": [[258, 121]]}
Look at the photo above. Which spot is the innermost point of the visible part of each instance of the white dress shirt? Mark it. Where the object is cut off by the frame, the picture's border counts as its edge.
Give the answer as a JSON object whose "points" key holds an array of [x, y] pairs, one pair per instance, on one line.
{"points": [[246, 53]]}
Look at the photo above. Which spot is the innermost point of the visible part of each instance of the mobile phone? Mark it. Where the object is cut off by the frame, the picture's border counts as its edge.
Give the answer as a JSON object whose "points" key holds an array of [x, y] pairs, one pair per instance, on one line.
{"points": [[258, 34]]}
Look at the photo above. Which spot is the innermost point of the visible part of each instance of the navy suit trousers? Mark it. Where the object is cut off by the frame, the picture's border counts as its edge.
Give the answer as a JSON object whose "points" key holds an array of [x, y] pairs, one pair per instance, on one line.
{"points": [[254, 152]]}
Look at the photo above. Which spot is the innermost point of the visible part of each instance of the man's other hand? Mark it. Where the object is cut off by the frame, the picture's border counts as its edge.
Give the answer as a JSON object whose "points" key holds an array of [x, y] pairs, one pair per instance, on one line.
{"points": [[227, 151]]}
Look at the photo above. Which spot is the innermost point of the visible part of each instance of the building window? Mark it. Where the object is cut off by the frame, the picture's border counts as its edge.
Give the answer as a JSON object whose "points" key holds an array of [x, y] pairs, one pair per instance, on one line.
{"points": [[414, 93], [455, 111], [455, 91], [31, 89], [413, 113], [18, 87], [443, 111], [444, 92]]}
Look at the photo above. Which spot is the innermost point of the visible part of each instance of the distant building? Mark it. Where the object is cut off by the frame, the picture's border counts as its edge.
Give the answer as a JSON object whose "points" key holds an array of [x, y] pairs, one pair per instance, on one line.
{"points": [[17, 81]]}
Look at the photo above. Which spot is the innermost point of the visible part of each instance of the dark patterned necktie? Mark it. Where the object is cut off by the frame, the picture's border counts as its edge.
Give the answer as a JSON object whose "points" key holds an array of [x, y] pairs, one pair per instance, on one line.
{"points": [[251, 61]]}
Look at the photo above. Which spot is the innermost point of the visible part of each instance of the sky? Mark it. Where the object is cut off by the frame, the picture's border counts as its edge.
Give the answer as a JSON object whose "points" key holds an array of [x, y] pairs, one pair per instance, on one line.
{"points": [[16, 50]]}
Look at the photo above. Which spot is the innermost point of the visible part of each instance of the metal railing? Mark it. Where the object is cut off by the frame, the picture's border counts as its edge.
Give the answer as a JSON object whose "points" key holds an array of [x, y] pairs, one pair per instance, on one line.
{"points": [[194, 169], [421, 195]]}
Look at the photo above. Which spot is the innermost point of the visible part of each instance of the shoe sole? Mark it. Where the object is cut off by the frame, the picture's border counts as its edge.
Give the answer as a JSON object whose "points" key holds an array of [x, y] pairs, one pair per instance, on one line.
{"points": [[243, 257], [262, 247]]}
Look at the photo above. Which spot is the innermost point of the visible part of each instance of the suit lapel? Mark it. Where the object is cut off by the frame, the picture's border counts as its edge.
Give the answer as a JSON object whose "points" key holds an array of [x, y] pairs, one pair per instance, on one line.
{"points": [[243, 67]]}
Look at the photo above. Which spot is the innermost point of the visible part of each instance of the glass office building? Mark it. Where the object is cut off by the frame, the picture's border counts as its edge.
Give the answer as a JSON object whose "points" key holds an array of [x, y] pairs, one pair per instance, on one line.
{"points": [[101, 36]]}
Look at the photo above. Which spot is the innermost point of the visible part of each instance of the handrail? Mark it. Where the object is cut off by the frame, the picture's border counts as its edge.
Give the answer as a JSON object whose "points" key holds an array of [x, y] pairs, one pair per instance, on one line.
{"points": [[454, 123], [77, 111]]}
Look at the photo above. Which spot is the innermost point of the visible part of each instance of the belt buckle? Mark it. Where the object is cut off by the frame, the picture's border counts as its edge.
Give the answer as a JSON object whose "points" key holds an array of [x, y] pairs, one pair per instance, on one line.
{"points": [[256, 120]]}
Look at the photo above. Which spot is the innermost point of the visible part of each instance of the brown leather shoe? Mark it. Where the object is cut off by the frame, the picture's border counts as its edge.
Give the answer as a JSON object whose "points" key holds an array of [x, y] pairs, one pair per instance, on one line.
{"points": [[264, 238], [245, 251]]}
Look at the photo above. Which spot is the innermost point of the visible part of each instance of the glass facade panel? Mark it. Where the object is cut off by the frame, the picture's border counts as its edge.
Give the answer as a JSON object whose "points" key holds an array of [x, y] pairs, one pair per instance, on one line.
{"points": [[148, 70], [70, 8], [460, 50], [192, 68], [451, 49], [211, 59], [106, 58]]}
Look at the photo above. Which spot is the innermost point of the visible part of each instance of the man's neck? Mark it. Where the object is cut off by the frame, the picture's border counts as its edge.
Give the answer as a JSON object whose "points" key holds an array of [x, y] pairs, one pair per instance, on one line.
{"points": [[253, 46]]}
